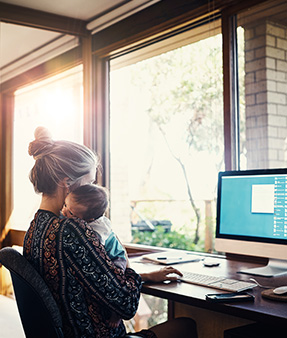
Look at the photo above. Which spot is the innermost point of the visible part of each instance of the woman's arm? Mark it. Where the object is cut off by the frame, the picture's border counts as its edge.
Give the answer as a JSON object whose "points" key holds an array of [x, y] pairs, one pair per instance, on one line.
{"points": [[167, 273]]}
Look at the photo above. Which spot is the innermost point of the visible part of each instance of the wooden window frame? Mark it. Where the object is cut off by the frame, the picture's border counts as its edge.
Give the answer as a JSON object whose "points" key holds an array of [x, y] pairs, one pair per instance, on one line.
{"points": [[37, 19], [95, 52], [151, 25]]}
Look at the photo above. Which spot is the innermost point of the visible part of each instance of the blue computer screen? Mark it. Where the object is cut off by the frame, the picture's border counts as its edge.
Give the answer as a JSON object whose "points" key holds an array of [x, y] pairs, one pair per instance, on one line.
{"points": [[253, 206]]}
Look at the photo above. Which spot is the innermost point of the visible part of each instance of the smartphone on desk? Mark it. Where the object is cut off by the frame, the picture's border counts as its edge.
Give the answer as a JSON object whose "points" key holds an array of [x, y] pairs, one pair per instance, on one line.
{"points": [[229, 297]]}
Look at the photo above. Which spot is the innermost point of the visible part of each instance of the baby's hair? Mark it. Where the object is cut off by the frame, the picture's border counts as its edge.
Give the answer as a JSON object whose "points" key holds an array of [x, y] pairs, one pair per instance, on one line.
{"points": [[94, 198], [57, 160]]}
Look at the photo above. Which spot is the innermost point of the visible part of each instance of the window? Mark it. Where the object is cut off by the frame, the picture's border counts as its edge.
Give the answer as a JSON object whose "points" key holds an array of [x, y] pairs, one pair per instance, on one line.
{"points": [[262, 41], [166, 127], [55, 103]]}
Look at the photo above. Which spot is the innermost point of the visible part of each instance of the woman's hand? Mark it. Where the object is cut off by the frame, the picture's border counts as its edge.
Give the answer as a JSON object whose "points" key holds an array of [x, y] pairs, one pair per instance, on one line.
{"points": [[161, 275]]}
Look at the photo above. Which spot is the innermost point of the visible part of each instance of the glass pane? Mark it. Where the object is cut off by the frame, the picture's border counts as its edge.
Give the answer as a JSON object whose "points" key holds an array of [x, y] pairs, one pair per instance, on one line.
{"points": [[262, 44], [56, 103], [167, 145]]}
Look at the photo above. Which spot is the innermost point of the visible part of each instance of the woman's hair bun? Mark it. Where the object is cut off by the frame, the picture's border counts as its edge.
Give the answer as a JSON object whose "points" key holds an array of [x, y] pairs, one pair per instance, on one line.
{"points": [[42, 143], [42, 133]]}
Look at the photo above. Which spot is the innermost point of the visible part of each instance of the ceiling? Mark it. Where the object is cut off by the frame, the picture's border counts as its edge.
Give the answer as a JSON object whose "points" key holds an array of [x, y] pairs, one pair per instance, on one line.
{"points": [[79, 9], [18, 41]]}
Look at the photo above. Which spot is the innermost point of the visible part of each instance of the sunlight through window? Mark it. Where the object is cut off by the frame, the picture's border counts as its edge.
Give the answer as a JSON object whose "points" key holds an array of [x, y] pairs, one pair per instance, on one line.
{"points": [[57, 104]]}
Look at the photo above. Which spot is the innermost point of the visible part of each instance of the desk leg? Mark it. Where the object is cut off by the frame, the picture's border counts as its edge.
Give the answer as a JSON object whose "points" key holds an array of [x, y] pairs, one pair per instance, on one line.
{"points": [[209, 323], [170, 310]]}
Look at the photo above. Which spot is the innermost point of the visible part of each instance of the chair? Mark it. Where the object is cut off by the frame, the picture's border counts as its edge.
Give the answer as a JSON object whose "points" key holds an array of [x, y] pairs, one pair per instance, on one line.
{"points": [[39, 313]]}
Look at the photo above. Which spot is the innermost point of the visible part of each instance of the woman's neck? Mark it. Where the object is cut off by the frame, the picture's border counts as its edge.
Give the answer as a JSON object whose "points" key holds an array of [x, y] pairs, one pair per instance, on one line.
{"points": [[53, 203]]}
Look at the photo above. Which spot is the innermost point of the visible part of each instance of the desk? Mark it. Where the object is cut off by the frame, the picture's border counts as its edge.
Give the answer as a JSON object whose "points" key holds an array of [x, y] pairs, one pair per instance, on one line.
{"points": [[213, 318]]}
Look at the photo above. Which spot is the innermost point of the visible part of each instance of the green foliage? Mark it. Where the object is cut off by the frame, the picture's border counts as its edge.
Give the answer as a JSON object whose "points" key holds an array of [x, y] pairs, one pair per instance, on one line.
{"points": [[185, 87], [172, 239]]}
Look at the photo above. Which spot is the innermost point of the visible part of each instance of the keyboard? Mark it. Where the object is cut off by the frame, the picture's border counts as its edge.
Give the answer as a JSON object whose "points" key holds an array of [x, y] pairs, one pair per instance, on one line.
{"points": [[222, 283]]}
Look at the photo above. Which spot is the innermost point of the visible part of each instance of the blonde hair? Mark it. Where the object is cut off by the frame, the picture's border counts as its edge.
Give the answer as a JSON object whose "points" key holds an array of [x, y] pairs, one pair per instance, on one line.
{"points": [[57, 160]]}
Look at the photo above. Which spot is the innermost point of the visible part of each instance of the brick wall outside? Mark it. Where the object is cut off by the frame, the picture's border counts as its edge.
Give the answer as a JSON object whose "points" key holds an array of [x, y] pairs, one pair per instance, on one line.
{"points": [[266, 94]]}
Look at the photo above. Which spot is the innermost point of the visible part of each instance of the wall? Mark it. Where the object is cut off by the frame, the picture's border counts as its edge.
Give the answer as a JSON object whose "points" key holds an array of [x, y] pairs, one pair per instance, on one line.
{"points": [[266, 94]]}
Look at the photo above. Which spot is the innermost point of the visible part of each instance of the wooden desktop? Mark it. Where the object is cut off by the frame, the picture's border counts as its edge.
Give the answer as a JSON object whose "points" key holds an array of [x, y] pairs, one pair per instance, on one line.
{"points": [[213, 318]]}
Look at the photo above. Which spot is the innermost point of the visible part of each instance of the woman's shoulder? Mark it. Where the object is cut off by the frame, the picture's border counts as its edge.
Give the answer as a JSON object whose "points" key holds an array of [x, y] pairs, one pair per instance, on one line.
{"points": [[68, 234], [46, 215], [73, 223], [76, 229], [63, 224]]}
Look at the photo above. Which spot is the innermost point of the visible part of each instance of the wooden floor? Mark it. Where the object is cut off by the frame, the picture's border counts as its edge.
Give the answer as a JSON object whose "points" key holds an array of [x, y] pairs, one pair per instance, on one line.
{"points": [[10, 324]]}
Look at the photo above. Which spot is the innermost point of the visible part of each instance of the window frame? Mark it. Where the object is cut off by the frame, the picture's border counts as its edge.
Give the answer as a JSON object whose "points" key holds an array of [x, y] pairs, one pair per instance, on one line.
{"points": [[65, 61], [107, 44], [70, 59], [166, 17]]}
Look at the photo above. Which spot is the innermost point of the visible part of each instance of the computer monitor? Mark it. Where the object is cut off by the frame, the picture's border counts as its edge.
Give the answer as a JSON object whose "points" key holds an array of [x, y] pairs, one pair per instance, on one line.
{"points": [[252, 217]]}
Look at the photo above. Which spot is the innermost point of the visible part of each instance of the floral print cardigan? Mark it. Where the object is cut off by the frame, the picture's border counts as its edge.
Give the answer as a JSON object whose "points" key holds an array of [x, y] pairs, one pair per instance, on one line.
{"points": [[84, 281]]}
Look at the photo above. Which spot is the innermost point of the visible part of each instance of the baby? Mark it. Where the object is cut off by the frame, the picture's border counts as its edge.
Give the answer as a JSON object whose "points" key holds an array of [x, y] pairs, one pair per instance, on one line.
{"points": [[89, 202]]}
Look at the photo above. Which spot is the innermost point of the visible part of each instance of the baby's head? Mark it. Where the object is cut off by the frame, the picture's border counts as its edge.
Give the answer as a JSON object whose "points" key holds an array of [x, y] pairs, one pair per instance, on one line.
{"points": [[88, 202]]}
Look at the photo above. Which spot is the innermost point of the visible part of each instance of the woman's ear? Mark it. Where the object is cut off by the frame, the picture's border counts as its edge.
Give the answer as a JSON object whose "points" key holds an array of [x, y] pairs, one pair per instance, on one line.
{"points": [[66, 183]]}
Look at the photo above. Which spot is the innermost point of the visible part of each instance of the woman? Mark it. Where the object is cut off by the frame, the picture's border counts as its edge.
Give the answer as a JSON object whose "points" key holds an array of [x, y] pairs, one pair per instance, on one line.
{"points": [[86, 284]]}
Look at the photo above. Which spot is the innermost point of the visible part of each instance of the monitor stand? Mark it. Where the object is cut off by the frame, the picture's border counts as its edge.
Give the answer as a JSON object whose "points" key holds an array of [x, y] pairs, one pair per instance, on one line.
{"points": [[274, 267]]}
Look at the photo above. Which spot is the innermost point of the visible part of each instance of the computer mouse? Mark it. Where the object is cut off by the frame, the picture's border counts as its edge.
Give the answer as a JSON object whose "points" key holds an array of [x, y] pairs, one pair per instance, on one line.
{"points": [[209, 262], [281, 290]]}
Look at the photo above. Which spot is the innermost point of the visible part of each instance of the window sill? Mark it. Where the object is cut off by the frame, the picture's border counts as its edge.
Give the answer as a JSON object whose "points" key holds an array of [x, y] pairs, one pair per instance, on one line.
{"points": [[14, 237]]}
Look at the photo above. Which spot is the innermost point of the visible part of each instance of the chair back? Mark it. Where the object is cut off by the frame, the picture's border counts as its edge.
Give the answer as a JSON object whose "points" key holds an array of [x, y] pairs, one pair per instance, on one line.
{"points": [[39, 313]]}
